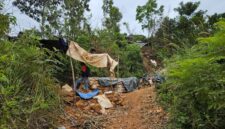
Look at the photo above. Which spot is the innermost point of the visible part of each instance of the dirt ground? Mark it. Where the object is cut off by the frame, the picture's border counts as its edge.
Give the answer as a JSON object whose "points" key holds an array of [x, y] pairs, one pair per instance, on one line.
{"points": [[135, 110], [140, 112]]}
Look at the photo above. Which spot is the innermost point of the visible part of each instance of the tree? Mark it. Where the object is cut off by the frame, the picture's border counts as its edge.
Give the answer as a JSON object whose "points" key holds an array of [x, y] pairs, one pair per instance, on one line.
{"points": [[149, 15], [4, 26], [215, 18], [194, 90], [43, 11], [5, 20], [127, 28], [187, 8], [75, 20], [175, 34], [112, 16], [190, 22]]}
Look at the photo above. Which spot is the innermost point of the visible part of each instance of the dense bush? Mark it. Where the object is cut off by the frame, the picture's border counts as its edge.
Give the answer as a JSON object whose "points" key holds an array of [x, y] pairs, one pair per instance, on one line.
{"points": [[131, 61], [28, 95], [195, 87]]}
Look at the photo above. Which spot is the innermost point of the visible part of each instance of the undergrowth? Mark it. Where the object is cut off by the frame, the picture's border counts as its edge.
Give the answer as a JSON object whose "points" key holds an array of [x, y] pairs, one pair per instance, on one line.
{"points": [[194, 92], [28, 92]]}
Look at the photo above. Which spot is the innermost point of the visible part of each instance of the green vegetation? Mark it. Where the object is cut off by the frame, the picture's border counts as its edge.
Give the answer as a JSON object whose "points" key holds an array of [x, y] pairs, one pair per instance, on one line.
{"points": [[28, 94], [149, 16], [5, 20], [176, 34], [194, 91], [195, 87]]}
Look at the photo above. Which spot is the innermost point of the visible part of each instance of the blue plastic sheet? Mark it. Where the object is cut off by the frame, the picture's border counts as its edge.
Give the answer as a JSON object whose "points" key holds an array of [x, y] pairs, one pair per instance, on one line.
{"points": [[82, 95], [130, 83], [88, 95]]}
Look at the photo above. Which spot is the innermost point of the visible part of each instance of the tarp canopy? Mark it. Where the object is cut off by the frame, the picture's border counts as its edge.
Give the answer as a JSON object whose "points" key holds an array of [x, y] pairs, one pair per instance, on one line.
{"points": [[97, 60]]}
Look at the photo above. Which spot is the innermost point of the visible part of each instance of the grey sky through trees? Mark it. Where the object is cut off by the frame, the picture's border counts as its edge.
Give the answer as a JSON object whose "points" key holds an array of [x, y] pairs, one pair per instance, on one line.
{"points": [[127, 7]]}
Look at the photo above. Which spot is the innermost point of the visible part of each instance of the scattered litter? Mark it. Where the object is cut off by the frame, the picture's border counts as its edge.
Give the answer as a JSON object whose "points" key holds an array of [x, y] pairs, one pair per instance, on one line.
{"points": [[104, 84], [153, 62], [158, 78], [98, 99]]}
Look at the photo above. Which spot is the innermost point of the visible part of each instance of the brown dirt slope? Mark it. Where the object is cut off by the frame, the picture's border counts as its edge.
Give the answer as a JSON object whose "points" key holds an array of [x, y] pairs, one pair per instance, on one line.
{"points": [[140, 112]]}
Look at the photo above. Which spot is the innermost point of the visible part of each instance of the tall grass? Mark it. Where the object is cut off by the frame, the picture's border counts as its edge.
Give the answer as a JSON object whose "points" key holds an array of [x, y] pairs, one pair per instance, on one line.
{"points": [[28, 95]]}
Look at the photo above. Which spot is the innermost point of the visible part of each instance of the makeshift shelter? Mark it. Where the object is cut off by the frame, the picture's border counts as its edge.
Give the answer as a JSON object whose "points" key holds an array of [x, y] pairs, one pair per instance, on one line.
{"points": [[97, 60]]}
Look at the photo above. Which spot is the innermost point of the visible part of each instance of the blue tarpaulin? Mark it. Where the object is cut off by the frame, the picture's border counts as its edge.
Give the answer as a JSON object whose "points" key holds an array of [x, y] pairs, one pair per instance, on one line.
{"points": [[130, 84], [88, 95]]}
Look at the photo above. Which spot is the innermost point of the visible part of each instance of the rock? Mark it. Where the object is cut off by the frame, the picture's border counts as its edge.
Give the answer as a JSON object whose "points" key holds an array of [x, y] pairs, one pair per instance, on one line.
{"points": [[119, 88], [93, 83], [108, 92], [68, 99], [67, 91], [104, 101], [62, 127], [94, 86], [80, 104], [87, 108], [103, 111], [67, 88], [122, 102], [96, 107]]}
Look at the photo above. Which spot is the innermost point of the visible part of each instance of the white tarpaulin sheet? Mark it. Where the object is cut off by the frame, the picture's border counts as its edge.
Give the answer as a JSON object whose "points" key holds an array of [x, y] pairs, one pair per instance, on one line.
{"points": [[97, 60]]}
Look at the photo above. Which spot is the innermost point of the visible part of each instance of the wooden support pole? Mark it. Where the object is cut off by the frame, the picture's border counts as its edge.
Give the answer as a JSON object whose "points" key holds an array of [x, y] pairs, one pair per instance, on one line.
{"points": [[118, 74], [73, 75]]}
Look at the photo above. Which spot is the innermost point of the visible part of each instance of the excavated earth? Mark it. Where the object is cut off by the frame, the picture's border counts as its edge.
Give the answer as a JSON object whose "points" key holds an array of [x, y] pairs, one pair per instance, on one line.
{"points": [[141, 111], [135, 110]]}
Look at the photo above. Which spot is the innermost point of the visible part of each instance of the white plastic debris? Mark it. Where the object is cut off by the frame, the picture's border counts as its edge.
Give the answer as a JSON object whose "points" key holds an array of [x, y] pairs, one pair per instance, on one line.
{"points": [[153, 62]]}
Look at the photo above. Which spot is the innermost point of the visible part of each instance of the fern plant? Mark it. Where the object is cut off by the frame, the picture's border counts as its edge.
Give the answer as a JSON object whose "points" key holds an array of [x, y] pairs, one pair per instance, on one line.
{"points": [[195, 87]]}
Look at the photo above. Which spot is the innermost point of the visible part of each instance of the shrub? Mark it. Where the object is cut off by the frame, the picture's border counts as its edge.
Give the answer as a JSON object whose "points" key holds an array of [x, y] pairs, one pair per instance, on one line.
{"points": [[28, 95], [195, 87]]}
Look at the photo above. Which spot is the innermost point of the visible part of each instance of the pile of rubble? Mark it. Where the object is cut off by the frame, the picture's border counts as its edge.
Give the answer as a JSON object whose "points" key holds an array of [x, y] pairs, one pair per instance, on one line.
{"points": [[78, 110], [108, 97]]}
